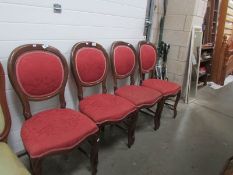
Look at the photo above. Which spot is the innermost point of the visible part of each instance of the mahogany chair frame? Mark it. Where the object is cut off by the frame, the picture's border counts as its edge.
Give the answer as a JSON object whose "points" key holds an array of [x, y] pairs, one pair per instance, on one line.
{"points": [[152, 74], [4, 106], [25, 100], [131, 74], [129, 120]]}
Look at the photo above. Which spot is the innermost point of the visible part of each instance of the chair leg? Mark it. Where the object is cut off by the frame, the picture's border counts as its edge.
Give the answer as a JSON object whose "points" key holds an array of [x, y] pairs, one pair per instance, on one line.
{"points": [[94, 153], [158, 114], [176, 103], [103, 129], [131, 128], [35, 166]]}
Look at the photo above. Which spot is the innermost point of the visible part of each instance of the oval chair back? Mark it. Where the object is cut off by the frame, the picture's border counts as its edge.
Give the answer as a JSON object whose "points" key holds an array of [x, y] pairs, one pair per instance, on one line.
{"points": [[37, 72], [123, 61], [147, 54], [89, 64]]}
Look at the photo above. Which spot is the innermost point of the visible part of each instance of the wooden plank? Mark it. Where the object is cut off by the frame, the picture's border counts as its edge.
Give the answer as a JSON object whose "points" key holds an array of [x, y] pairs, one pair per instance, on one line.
{"points": [[217, 63]]}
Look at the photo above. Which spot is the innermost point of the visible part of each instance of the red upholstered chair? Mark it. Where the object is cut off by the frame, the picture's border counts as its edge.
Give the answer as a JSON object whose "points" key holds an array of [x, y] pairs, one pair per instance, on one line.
{"points": [[89, 62], [147, 62], [123, 60], [38, 72]]}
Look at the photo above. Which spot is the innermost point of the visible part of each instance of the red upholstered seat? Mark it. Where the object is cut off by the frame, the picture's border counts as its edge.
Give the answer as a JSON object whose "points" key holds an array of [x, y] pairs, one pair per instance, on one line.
{"points": [[139, 95], [53, 130], [106, 107], [165, 87]]}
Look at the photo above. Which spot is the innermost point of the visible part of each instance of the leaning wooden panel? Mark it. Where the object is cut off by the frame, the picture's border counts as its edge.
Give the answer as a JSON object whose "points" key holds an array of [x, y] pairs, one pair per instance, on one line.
{"points": [[227, 56], [217, 63]]}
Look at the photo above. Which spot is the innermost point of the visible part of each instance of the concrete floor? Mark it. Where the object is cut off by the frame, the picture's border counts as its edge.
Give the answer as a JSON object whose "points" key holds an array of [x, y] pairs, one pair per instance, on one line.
{"points": [[197, 142]]}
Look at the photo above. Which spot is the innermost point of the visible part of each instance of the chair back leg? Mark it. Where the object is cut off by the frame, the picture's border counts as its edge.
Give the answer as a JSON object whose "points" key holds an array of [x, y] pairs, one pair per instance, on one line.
{"points": [[176, 103], [36, 166], [132, 122]]}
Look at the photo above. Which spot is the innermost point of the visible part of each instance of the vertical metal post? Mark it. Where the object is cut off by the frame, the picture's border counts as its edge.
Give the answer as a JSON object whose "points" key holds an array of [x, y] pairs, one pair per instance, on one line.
{"points": [[149, 17]]}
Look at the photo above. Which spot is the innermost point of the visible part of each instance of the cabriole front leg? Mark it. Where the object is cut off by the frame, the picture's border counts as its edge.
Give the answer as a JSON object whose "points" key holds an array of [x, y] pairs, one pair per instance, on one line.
{"points": [[94, 153], [158, 114], [131, 128]]}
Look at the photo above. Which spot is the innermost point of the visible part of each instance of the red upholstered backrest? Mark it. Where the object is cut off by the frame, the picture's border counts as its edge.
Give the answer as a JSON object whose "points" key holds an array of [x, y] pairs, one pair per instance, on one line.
{"points": [[91, 65], [39, 73], [124, 60], [148, 57]]}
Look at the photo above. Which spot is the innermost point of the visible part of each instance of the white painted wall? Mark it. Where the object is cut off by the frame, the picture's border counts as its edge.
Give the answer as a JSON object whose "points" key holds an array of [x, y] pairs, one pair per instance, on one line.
{"points": [[33, 21]]}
